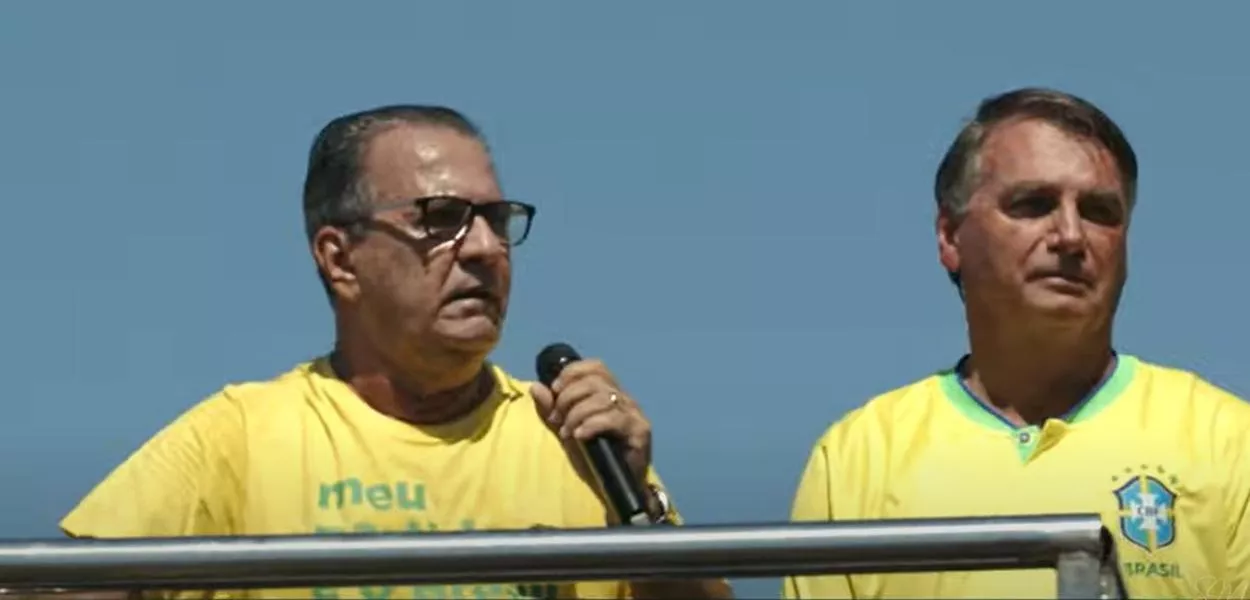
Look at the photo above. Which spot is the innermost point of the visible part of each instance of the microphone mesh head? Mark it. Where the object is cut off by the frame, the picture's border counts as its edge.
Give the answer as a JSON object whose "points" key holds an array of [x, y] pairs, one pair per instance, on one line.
{"points": [[552, 359]]}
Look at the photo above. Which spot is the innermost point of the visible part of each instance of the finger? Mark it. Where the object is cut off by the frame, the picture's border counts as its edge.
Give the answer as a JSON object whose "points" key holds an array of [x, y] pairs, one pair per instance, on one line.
{"points": [[544, 401], [613, 422], [596, 403], [575, 394], [581, 369]]}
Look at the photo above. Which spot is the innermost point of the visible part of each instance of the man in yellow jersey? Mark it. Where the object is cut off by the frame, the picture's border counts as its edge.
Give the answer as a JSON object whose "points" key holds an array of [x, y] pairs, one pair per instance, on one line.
{"points": [[405, 425], [1035, 197]]}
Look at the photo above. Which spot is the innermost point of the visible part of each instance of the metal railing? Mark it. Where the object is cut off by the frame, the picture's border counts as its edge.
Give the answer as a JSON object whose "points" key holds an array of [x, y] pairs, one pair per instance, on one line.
{"points": [[1076, 546]]}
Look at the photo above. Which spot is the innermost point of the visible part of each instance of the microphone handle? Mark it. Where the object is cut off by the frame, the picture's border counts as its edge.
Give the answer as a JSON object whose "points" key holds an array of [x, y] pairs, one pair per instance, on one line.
{"points": [[607, 459]]}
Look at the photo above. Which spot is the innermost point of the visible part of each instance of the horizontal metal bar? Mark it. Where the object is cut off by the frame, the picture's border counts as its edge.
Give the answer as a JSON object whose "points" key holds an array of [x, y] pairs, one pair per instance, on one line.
{"points": [[550, 555]]}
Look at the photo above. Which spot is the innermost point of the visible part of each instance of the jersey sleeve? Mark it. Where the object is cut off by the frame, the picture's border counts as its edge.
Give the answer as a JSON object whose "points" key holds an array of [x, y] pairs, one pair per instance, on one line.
{"points": [[813, 501], [1239, 511], [184, 481]]}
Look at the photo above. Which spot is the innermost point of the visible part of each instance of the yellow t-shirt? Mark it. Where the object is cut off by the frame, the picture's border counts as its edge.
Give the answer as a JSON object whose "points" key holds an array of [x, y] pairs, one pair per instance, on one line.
{"points": [[303, 454], [1162, 455]]}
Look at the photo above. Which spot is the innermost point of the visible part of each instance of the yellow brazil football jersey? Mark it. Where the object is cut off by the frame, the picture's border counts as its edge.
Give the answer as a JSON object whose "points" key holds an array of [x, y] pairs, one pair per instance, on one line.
{"points": [[1162, 455], [303, 454]]}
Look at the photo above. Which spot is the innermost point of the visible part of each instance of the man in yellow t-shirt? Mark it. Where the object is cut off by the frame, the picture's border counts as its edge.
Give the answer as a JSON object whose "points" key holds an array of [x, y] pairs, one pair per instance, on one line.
{"points": [[405, 426], [1043, 416]]}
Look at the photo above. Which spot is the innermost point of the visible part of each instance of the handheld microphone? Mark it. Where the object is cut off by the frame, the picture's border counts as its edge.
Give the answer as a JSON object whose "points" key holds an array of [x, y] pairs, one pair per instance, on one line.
{"points": [[607, 458]]}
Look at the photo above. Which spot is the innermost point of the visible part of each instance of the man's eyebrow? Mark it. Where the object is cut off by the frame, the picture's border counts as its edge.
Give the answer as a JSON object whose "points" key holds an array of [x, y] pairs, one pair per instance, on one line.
{"points": [[1103, 195], [1031, 186]]}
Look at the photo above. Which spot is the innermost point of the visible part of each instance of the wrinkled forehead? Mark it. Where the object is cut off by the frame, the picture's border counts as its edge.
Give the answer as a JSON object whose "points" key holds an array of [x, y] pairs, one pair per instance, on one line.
{"points": [[1041, 153], [412, 161]]}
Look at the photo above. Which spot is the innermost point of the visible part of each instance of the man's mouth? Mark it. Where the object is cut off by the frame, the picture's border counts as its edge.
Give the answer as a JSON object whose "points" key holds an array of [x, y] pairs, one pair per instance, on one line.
{"points": [[481, 294], [1060, 276]]}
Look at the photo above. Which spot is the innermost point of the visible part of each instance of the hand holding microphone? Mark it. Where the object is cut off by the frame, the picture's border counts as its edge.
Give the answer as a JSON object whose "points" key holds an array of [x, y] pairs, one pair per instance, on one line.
{"points": [[581, 400]]}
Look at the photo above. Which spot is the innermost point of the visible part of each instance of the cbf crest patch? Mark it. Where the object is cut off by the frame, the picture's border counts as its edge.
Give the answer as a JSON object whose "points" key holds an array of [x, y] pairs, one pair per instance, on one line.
{"points": [[1147, 510]]}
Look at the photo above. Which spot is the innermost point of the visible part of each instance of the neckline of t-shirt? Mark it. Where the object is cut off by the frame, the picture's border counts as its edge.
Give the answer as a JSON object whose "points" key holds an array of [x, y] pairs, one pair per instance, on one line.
{"points": [[467, 427], [1109, 389]]}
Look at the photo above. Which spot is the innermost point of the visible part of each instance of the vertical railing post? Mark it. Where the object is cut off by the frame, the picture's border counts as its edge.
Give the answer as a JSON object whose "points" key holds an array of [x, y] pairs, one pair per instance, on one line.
{"points": [[1084, 576], [1112, 580], [1080, 576]]}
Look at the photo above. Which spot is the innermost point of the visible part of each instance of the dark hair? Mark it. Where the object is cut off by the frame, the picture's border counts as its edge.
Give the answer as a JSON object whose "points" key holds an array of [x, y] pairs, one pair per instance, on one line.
{"points": [[957, 175], [334, 191]]}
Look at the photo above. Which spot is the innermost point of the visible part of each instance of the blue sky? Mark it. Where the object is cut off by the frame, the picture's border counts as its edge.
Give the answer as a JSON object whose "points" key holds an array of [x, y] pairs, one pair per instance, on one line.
{"points": [[735, 207]]}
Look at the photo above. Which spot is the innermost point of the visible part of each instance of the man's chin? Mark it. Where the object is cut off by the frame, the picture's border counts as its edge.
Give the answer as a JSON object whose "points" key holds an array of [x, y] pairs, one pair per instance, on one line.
{"points": [[477, 333], [1063, 310]]}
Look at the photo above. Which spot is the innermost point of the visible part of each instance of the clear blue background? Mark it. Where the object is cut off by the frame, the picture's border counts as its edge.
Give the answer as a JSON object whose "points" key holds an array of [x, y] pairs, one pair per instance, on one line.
{"points": [[735, 203]]}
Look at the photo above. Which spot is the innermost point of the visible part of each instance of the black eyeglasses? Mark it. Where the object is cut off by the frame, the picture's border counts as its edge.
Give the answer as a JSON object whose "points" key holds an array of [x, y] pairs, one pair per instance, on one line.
{"points": [[446, 218]]}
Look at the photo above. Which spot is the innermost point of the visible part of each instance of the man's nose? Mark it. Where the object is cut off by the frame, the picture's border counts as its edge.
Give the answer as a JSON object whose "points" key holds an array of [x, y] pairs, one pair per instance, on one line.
{"points": [[481, 241], [1068, 233]]}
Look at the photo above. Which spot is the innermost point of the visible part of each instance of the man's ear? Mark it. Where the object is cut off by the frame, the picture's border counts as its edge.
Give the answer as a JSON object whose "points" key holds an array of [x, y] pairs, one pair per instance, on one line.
{"points": [[331, 248], [947, 228]]}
